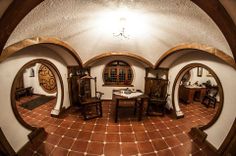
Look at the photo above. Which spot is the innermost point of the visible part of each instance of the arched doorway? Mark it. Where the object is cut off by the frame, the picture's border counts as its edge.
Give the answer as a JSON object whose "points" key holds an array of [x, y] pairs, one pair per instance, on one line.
{"points": [[37, 91], [194, 95]]}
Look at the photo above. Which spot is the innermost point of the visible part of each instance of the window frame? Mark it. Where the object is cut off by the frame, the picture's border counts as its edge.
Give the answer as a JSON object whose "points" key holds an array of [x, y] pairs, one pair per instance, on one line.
{"points": [[118, 68]]}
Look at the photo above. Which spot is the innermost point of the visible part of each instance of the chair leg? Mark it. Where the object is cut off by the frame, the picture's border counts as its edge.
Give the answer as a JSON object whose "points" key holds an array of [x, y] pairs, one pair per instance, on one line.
{"points": [[116, 110], [214, 104], [97, 108], [84, 112], [148, 107], [209, 103], [135, 107], [163, 110], [100, 107]]}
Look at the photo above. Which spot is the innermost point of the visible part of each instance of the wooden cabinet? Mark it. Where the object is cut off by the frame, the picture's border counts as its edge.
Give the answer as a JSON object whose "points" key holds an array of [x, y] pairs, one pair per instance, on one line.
{"points": [[191, 94], [74, 74]]}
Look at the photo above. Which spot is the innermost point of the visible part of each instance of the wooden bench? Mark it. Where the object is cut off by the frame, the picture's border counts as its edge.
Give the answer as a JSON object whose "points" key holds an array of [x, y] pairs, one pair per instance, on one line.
{"points": [[20, 92]]}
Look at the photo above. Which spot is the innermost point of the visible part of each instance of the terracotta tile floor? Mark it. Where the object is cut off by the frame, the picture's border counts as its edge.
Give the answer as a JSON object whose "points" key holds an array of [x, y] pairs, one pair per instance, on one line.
{"points": [[70, 135]]}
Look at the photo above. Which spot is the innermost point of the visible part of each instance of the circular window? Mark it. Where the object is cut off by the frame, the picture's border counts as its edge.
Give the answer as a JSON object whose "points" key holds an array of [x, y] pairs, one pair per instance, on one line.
{"points": [[118, 73]]}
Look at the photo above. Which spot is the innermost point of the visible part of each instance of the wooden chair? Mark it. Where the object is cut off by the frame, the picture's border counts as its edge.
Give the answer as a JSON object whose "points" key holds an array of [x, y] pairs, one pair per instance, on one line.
{"points": [[156, 105], [210, 97], [91, 106], [156, 89]]}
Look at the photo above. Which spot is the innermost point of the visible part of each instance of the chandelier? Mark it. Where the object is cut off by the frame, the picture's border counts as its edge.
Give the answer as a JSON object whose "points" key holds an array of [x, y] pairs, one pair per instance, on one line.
{"points": [[122, 34]]}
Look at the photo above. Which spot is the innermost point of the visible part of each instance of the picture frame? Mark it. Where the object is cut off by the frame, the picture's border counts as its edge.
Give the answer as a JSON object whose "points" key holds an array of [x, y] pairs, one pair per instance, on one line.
{"points": [[199, 71]]}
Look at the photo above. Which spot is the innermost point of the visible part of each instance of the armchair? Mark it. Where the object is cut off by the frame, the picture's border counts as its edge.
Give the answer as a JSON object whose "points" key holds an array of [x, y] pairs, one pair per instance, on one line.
{"points": [[90, 103], [156, 105], [210, 97]]}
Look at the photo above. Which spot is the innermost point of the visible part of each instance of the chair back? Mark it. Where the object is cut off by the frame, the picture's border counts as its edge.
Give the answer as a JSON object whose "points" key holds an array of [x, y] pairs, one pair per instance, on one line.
{"points": [[159, 91], [84, 89], [213, 91]]}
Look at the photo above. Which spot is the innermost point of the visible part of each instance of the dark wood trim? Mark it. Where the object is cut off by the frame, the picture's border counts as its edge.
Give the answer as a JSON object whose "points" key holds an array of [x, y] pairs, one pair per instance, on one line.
{"points": [[103, 100], [5, 145], [123, 54], [16, 47], [34, 134], [220, 16], [228, 138], [13, 89], [221, 93], [212, 148], [16, 11], [197, 47], [199, 134], [35, 139], [118, 85]]}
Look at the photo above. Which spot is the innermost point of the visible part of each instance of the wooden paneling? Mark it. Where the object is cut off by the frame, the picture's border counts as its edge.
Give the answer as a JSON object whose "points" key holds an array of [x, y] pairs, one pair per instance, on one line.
{"points": [[5, 147]]}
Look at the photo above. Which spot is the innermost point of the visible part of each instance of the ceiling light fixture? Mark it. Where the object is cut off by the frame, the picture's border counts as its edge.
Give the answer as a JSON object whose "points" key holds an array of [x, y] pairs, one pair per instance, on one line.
{"points": [[122, 33]]}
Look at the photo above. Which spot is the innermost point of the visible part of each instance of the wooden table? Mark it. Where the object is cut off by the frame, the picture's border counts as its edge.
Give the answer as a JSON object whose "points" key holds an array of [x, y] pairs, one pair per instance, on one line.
{"points": [[138, 103], [188, 93]]}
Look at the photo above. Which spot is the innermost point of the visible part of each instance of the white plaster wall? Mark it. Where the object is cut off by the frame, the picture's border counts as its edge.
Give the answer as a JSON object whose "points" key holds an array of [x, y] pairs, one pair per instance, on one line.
{"points": [[34, 81], [14, 131], [194, 78], [201, 79], [138, 71], [218, 131], [88, 26]]}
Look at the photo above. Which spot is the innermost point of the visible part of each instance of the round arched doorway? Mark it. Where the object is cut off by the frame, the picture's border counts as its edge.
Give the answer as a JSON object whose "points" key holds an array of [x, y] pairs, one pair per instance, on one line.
{"points": [[36, 93], [198, 94]]}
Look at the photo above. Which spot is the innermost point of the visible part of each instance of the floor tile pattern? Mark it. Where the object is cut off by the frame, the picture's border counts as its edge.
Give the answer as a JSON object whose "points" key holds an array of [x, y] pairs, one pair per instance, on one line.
{"points": [[71, 135]]}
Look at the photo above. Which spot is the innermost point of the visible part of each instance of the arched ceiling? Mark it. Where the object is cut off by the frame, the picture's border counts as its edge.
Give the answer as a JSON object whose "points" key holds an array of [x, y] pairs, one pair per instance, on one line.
{"points": [[88, 26]]}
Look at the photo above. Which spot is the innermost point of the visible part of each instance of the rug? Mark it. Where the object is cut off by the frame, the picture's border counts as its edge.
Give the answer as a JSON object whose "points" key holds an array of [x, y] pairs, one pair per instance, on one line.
{"points": [[36, 102]]}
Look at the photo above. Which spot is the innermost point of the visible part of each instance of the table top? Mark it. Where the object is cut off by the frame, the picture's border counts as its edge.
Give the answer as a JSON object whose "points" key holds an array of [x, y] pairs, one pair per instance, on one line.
{"points": [[132, 95], [195, 87]]}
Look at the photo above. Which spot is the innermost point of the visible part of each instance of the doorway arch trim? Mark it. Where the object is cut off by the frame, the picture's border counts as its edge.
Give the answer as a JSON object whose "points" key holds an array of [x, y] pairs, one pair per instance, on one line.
{"points": [[221, 93], [13, 89], [199, 47], [14, 48]]}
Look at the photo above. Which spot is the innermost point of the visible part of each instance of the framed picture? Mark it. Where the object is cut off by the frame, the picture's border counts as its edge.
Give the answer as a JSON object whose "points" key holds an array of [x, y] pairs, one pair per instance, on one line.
{"points": [[199, 71]]}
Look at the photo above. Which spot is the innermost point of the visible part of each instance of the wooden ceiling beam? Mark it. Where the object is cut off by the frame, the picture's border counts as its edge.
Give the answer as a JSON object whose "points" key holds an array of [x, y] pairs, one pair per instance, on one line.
{"points": [[220, 16], [16, 11]]}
